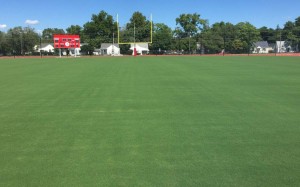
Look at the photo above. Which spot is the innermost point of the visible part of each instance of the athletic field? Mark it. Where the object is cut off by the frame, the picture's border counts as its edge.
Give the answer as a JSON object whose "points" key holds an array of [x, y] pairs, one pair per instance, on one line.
{"points": [[150, 121]]}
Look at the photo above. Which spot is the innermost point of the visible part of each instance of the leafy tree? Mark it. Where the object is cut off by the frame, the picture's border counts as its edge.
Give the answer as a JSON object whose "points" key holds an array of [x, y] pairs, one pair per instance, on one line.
{"points": [[297, 22], [19, 41], [140, 25], [248, 34], [30, 39], [190, 24], [87, 49], [238, 46], [287, 32], [48, 33], [228, 33], [291, 33], [15, 39], [22, 40], [162, 37], [289, 25], [125, 49], [187, 31], [218, 37], [2, 43], [74, 29], [100, 29], [211, 42], [5, 47], [268, 34]]}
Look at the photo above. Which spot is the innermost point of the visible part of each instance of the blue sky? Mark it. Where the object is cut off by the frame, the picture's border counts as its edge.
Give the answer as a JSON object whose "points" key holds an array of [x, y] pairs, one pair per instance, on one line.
{"points": [[62, 13]]}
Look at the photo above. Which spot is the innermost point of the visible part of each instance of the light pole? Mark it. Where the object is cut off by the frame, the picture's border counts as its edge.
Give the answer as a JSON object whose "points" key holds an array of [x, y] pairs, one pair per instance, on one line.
{"points": [[280, 41], [113, 47], [22, 32], [190, 44], [224, 40], [21, 35], [13, 43], [134, 46], [41, 46], [249, 43]]}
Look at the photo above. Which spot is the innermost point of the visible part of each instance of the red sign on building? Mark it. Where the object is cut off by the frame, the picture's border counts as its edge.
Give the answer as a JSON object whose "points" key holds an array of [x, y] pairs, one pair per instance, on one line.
{"points": [[66, 41]]}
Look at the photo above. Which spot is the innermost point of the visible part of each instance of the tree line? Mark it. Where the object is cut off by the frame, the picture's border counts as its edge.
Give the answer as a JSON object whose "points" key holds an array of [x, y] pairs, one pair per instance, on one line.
{"points": [[192, 34]]}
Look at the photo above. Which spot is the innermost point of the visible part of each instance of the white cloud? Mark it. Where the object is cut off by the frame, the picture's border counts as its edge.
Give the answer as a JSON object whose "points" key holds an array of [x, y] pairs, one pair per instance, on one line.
{"points": [[3, 26], [31, 22]]}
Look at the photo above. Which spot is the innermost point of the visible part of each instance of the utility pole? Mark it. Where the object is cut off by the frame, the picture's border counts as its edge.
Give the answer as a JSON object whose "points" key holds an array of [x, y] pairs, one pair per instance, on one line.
{"points": [[190, 44], [113, 47], [249, 43], [41, 46], [280, 41], [224, 39], [201, 45], [21, 33], [134, 45], [13, 43], [224, 47]]}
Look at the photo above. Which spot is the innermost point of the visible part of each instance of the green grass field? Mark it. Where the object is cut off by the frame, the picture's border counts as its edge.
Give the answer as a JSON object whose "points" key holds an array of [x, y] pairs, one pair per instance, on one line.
{"points": [[150, 121]]}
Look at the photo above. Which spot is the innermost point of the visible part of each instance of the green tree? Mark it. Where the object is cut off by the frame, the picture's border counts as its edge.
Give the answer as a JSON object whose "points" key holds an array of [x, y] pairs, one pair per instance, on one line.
{"points": [[291, 33], [87, 49], [228, 33], [287, 33], [189, 24], [138, 26], [21, 41], [289, 26], [218, 37], [15, 39], [211, 42], [74, 29], [248, 34], [5, 44], [238, 46], [30, 39], [78, 30], [297, 22], [162, 37], [268, 34], [47, 34], [100, 29], [188, 31]]}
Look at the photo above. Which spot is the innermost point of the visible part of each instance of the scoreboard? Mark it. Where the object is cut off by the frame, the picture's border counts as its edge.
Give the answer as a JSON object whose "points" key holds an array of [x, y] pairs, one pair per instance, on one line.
{"points": [[66, 41]]}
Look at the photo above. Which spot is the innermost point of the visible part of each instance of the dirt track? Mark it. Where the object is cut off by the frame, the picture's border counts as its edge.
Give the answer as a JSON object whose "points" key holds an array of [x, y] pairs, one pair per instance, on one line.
{"points": [[278, 54]]}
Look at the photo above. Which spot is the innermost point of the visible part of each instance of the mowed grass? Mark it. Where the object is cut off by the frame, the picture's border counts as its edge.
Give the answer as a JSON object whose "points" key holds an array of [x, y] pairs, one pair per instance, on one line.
{"points": [[150, 121]]}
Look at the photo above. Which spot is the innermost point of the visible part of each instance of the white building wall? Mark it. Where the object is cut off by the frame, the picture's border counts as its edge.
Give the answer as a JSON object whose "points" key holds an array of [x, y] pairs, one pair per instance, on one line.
{"points": [[48, 48]]}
